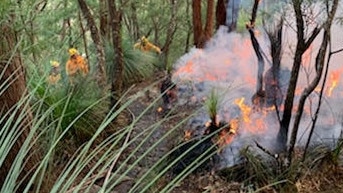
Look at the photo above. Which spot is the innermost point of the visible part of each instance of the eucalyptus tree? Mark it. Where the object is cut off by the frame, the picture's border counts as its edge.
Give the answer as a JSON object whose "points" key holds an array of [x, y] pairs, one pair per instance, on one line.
{"points": [[202, 34]]}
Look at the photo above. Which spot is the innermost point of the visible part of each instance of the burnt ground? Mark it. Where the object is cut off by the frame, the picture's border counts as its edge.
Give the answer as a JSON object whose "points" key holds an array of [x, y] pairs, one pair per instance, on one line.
{"points": [[200, 182], [328, 180]]}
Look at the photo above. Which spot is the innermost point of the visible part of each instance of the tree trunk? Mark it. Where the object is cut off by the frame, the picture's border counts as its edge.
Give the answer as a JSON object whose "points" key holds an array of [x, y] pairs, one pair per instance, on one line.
{"points": [[84, 36], [201, 36], [302, 46], [273, 87], [118, 76], [170, 33], [258, 98], [134, 18], [209, 21], [103, 19], [197, 23], [232, 14], [189, 30], [13, 74], [101, 73], [220, 13], [319, 66]]}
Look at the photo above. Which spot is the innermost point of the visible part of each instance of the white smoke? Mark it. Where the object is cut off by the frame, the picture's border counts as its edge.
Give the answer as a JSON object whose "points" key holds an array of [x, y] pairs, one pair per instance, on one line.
{"points": [[228, 64]]}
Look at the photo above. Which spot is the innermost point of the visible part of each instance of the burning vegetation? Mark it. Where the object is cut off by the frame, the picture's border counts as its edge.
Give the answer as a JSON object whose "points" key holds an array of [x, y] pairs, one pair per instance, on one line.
{"points": [[238, 122]]}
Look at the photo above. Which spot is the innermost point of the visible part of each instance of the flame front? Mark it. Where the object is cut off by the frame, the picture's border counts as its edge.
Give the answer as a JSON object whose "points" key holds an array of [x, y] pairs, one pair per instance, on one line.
{"points": [[229, 62], [333, 81], [245, 109]]}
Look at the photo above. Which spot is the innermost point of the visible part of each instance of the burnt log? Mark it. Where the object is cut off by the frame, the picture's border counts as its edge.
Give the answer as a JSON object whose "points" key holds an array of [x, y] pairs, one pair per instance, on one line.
{"points": [[204, 147], [168, 91]]}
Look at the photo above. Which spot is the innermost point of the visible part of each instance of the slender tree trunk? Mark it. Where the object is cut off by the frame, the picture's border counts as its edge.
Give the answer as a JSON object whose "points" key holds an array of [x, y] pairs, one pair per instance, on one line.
{"points": [[273, 88], [103, 19], [134, 18], [302, 46], [258, 98], [197, 23], [201, 36], [319, 66], [118, 76], [232, 14], [209, 21], [84, 37], [170, 33], [220, 13], [189, 31], [101, 73], [13, 75]]}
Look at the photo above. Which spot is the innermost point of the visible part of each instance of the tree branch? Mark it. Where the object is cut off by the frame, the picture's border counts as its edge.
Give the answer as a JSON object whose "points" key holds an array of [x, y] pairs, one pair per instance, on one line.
{"points": [[101, 73]]}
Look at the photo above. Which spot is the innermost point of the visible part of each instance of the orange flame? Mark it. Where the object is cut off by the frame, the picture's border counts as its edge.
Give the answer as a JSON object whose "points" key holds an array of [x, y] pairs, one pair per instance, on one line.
{"points": [[159, 109], [246, 110], [227, 134], [187, 135], [334, 78], [188, 68]]}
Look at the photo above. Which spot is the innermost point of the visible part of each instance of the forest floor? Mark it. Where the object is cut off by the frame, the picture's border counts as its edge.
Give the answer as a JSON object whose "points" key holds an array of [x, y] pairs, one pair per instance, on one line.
{"points": [[324, 179], [327, 178]]}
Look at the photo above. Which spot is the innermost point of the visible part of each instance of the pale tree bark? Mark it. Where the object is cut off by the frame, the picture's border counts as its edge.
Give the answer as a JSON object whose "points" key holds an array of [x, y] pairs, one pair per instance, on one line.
{"points": [[66, 28], [12, 74], [95, 34], [84, 37], [232, 13], [130, 20]]}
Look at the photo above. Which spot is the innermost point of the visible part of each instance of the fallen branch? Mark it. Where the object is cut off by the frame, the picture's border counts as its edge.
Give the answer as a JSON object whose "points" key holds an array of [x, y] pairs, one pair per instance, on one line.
{"points": [[275, 156]]}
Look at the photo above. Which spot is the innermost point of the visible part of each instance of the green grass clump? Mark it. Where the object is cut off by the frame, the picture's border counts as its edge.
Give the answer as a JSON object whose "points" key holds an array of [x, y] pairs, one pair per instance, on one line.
{"points": [[68, 101]]}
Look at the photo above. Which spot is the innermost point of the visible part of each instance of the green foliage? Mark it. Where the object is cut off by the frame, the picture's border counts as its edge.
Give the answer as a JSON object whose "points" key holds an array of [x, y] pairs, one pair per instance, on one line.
{"points": [[69, 101], [138, 65], [4, 8], [212, 105]]}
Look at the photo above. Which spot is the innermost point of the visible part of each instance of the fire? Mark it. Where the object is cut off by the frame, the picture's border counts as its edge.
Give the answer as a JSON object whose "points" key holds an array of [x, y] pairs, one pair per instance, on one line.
{"points": [[159, 109], [334, 78], [188, 68], [245, 109], [227, 134], [187, 135]]}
